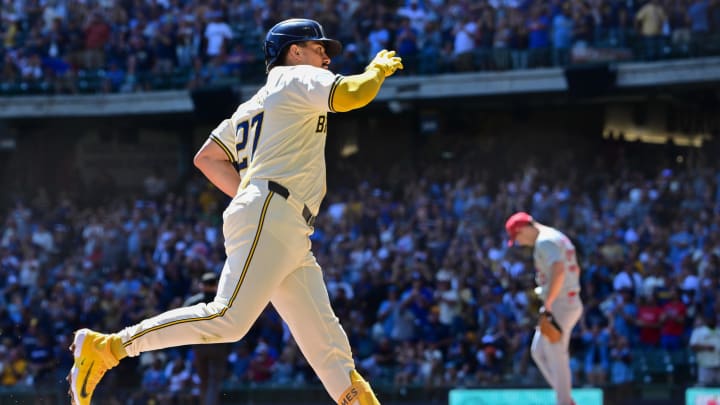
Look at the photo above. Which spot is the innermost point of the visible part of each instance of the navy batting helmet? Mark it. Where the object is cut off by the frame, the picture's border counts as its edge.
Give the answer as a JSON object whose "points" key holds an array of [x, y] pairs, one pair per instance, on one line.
{"points": [[292, 31]]}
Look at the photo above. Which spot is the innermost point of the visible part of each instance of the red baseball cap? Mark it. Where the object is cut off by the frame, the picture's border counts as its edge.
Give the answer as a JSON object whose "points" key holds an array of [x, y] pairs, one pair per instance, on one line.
{"points": [[514, 223]]}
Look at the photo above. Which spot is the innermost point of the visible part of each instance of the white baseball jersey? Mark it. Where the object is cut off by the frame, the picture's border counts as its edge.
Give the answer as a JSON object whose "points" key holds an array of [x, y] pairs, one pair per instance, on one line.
{"points": [[703, 335], [279, 134], [225, 135], [552, 246]]}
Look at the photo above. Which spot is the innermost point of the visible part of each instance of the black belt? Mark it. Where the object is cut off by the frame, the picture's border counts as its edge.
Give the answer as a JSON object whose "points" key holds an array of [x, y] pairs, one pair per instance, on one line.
{"points": [[285, 193]]}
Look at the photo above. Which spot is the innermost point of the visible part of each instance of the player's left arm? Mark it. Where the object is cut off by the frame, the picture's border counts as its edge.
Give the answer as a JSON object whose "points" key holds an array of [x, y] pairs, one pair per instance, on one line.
{"points": [[557, 279], [553, 257], [213, 162], [356, 91]]}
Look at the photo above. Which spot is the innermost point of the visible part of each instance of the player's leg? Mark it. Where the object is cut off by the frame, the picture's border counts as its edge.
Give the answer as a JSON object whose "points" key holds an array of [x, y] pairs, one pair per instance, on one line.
{"points": [[559, 352], [242, 295], [266, 246], [302, 301], [265, 250], [540, 356], [215, 322], [94, 354]]}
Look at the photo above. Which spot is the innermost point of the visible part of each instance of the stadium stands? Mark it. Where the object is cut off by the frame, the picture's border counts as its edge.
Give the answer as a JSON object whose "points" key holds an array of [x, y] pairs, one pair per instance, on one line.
{"points": [[418, 271], [115, 46]]}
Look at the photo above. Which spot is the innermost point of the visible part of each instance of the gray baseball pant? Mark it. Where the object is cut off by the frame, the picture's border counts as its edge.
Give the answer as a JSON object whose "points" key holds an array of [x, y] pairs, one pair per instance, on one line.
{"points": [[553, 359]]}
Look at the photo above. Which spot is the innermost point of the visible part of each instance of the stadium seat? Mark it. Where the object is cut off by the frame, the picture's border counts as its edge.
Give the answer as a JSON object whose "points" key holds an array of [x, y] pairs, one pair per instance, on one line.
{"points": [[652, 366], [89, 81]]}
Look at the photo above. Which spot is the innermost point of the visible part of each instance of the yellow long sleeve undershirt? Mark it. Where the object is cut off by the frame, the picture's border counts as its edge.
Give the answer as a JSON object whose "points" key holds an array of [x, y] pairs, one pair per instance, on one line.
{"points": [[355, 91]]}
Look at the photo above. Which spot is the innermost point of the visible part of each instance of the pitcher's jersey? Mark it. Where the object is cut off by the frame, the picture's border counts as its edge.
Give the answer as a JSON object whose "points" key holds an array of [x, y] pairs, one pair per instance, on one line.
{"points": [[279, 134], [552, 246]]}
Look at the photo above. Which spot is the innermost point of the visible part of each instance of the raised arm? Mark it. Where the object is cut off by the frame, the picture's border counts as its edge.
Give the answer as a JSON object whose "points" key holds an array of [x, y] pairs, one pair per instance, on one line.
{"points": [[356, 91]]}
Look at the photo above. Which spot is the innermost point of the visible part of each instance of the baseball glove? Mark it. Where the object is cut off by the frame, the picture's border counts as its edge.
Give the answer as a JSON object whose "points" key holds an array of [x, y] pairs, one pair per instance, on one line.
{"points": [[549, 327]]}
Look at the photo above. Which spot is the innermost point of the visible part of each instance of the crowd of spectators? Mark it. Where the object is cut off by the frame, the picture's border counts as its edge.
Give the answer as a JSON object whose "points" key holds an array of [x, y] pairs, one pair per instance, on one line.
{"points": [[416, 264], [68, 46]]}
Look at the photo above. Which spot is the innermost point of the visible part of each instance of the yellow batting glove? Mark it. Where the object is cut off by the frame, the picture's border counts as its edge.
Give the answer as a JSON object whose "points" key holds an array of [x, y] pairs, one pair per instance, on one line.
{"points": [[386, 62]]}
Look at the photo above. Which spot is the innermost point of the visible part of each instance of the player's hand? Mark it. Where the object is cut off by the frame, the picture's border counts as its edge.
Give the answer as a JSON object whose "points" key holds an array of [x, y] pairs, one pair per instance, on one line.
{"points": [[549, 327], [386, 62]]}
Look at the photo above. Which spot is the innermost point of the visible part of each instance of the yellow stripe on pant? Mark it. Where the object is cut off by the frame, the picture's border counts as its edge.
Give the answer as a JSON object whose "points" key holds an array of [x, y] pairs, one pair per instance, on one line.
{"points": [[235, 292], [269, 260]]}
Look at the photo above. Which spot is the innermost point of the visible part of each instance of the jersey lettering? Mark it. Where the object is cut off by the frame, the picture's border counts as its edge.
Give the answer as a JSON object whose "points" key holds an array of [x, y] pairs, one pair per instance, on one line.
{"points": [[539, 276], [570, 256], [257, 124], [242, 132], [553, 248], [321, 127]]}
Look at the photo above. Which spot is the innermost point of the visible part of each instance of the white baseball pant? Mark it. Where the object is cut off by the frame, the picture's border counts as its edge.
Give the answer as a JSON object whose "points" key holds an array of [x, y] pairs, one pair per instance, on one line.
{"points": [[268, 260]]}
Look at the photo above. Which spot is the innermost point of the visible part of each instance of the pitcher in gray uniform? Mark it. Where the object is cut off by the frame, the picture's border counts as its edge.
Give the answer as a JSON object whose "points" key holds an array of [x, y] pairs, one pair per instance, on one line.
{"points": [[557, 275]]}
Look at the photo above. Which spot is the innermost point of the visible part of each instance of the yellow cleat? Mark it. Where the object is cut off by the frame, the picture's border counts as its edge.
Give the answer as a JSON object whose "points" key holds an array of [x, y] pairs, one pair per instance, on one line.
{"points": [[93, 357], [359, 392]]}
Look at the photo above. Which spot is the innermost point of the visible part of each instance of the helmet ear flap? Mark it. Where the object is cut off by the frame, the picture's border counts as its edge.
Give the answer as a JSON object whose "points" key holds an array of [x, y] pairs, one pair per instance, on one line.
{"points": [[271, 53], [271, 49]]}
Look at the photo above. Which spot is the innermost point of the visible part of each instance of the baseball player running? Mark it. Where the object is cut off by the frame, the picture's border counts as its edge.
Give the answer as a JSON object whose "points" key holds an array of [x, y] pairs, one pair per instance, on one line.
{"points": [[280, 134], [557, 276]]}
